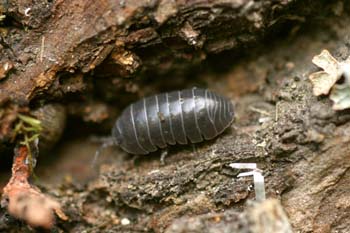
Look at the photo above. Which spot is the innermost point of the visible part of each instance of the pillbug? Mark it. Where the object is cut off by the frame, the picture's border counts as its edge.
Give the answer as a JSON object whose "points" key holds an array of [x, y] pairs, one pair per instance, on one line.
{"points": [[186, 116]]}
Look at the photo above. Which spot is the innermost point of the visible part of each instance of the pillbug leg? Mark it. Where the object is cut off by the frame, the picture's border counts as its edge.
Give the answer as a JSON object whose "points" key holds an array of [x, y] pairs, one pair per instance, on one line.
{"points": [[99, 139], [194, 149], [162, 157], [107, 142]]}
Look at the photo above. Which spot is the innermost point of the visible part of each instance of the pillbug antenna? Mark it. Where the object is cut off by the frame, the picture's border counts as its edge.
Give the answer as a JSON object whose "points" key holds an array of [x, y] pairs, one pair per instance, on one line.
{"points": [[107, 142]]}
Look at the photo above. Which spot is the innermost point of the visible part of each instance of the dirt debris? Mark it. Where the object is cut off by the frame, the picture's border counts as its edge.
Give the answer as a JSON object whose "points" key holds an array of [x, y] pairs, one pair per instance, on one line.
{"points": [[25, 201]]}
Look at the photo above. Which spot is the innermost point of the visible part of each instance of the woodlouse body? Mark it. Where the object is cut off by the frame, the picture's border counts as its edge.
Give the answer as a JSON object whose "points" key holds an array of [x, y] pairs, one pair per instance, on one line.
{"points": [[190, 115]]}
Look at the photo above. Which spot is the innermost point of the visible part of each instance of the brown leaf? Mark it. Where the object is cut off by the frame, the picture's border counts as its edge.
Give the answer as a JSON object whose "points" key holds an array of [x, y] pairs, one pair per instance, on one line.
{"points": [[322, 82]]}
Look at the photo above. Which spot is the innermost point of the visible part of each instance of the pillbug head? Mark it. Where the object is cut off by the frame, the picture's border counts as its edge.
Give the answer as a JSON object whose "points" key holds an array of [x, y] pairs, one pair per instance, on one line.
{"points": [[231, 112], [117, 134]]}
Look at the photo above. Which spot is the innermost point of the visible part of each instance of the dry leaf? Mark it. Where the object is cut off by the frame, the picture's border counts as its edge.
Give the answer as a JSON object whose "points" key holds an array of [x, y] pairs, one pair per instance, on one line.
{"points": [[327, 62], [323, 81], [340, 94]]}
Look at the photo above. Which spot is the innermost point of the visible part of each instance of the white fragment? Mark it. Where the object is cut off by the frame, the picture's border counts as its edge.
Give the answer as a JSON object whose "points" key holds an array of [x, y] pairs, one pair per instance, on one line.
{"points": [[261, 144], [250, 188], [42, 47], [259, 182], [6, 66], [246, 174], [326, 61], [325, 82], [125, 221], [264, 119], [243, 165], [259, 186], [26, 11], [340, 94], [341, 97], [190, 34], [345, 70], [153, 171], [322, 82]]}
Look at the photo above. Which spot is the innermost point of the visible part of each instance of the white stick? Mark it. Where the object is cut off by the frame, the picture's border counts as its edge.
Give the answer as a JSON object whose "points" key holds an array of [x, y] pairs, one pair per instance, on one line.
{"points": [[259, 183]]}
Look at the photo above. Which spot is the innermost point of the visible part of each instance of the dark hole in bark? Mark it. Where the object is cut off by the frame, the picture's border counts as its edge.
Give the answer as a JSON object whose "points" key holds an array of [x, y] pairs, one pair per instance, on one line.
{"points": [[341, 80]]}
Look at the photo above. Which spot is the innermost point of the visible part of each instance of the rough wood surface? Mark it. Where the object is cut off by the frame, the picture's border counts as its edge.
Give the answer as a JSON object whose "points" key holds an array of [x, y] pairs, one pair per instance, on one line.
{"points": [[259, 218], [47, 39]]}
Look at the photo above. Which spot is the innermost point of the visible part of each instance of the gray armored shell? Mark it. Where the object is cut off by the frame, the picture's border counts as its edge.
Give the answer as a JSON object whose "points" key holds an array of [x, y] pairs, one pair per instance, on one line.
{"points": [[190, 115]]}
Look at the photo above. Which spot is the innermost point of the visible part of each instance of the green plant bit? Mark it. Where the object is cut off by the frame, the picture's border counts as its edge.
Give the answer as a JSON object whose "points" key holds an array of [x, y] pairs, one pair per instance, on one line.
{"points": [[30, 128]]}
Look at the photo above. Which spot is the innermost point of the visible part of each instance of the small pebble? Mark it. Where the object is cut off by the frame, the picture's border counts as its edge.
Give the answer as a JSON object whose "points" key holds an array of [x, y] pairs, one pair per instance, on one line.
{"points": [[125, 221]]}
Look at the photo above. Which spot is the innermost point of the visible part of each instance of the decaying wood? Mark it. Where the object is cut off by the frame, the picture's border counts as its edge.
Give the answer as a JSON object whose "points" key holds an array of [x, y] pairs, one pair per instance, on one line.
{"points": [[299, 142], [259, 218], [76, 36]]}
